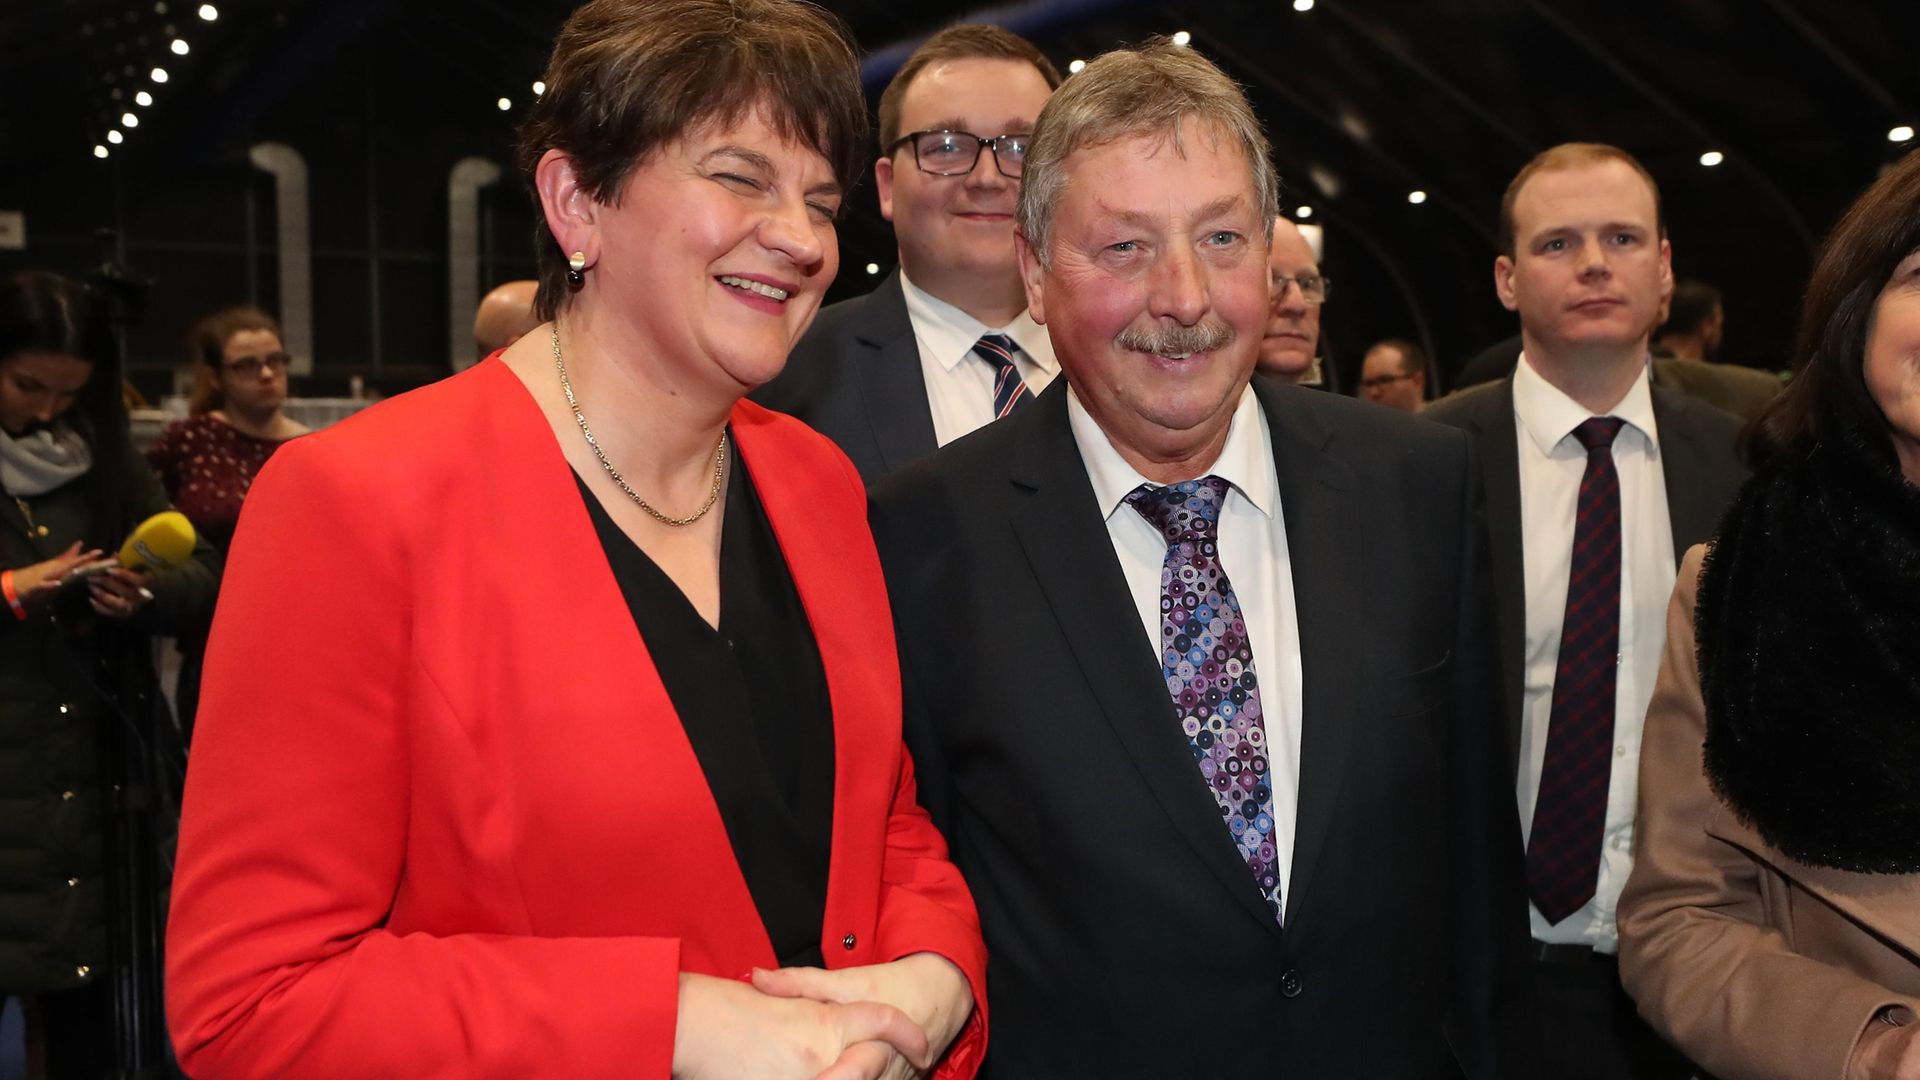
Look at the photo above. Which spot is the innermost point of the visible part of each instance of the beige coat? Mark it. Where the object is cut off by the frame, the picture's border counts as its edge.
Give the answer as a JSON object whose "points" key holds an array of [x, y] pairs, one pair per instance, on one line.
{"points": [[1757, 966]]}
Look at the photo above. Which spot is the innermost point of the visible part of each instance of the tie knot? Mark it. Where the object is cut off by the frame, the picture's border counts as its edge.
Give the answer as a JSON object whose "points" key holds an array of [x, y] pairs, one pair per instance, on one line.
{"points": [[1598, 433], [1189, 510], [996, 349]]}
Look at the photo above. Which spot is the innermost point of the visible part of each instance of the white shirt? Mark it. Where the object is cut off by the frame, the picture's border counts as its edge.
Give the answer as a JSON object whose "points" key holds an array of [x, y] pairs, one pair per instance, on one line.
{"points": [[960, 384], [1253, 552], [1552, 462]]}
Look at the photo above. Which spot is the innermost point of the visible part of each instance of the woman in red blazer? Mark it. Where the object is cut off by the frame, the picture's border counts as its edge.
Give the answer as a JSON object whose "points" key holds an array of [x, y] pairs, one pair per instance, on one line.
{"points": [[551, 716]]}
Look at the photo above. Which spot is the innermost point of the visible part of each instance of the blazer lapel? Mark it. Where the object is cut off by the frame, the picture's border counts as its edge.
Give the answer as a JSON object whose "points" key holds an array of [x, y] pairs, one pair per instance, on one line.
{"points": [[1496, 442], [1691, 510], [1322, 522], [1063, 532], [891, 380]]}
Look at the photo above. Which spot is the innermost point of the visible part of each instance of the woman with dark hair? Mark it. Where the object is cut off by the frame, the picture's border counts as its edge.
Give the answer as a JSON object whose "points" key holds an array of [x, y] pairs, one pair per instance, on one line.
{"points": [[551, 722], [75, 655], [1772, 922]]}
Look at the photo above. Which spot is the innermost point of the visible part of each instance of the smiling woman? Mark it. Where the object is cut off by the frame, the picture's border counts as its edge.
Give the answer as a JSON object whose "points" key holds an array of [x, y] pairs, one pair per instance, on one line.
{"points": [[586, 662]]}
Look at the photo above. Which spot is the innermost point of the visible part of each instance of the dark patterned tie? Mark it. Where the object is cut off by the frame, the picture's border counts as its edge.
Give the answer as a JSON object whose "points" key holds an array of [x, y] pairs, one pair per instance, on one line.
{"points": [[1009, 389], [1569, 818], [1208, 664]]}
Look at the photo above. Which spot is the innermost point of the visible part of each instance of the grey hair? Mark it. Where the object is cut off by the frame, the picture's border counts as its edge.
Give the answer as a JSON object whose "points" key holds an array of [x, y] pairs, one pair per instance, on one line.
{"points": [[1129, 93]]}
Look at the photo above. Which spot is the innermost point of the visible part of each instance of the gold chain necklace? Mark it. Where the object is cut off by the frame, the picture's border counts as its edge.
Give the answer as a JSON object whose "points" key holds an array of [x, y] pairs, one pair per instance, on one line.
{"points": [[719, 453]]}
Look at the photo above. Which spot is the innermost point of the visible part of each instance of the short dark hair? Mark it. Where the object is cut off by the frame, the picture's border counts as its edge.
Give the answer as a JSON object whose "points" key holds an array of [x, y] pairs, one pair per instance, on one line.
{"points": [[1828, 394], [965, 41], [48, 313], [1693, 303], [1412, 357], [207, 346], [1569, 156], [628, 77]]}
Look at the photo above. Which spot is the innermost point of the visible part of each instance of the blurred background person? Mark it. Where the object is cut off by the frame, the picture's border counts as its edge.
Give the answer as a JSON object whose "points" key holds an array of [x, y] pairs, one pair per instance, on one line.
{"points": [[1687, 346], [76, 674], [207, 461], [1769, 925], [1696, 323], [504, 316], [581, 741], [1394, 374], [1290, 348]]}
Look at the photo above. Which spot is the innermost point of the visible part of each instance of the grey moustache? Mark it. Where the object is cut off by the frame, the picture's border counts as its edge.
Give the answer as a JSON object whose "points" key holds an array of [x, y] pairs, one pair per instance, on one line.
{"points": [[1177, 340]]}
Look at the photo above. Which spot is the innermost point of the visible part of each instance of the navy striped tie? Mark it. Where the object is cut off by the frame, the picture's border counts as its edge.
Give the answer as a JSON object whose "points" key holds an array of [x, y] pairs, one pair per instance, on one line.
{"points": [[1570, 814], [1009, 389]]}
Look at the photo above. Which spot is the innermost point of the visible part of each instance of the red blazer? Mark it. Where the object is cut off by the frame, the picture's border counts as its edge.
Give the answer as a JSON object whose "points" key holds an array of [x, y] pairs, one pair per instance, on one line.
{"points": [[441, 818]]}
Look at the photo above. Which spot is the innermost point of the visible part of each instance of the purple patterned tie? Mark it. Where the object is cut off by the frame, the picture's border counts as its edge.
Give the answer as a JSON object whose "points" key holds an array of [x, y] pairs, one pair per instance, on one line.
{"points": [[1570, 814], [1208, 664], [1009, 389]]}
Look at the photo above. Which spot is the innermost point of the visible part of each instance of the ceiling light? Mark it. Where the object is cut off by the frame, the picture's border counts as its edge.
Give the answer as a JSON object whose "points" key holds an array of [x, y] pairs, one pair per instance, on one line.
{"points": [[179, 46], [1712, 158], [115, 137], [1416, 196], [1903, 133], [1181, 37], [127, 119], [539, 88], [159, 75], [1303, 5], [504, 104], [209, 12], [1076, 67], [873, 268], [1303, 212], [143, 98], [99, 151]]}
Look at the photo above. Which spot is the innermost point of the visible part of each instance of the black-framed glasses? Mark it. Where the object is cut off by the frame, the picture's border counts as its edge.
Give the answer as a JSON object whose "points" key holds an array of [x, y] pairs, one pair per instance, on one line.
{"points": [[253, 367], [1314, 289], [1375, 382], [955, 153]]}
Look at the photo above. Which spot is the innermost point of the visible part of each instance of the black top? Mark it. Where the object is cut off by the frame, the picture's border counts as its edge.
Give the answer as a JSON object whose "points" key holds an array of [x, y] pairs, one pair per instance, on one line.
{"points": [[752, 696]]}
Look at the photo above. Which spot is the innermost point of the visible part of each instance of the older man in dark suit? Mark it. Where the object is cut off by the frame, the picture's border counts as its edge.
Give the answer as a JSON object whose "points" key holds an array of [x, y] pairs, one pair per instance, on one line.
{"points": [[1195, 668], [1597, 480]]}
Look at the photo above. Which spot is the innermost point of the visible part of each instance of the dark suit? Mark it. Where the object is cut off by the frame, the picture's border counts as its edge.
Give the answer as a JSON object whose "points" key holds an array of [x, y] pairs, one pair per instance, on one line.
{"points": [[855, 378], [1127, 936], [1591, 1022]]}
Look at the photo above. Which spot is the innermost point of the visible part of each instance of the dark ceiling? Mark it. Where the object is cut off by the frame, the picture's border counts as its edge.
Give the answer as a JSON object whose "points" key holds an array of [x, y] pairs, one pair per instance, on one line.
{"points": [[1366, 101]]}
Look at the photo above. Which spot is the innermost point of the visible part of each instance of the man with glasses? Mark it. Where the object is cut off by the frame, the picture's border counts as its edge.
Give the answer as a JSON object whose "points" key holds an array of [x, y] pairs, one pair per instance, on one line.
{"points": [[1289, 350], [1394, 374], [944, 345]]}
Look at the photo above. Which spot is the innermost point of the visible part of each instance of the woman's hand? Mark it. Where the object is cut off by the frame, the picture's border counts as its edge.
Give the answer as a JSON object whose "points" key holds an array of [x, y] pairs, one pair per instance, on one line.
{"points": [[36, 584], [726, 1029], [927, 987], [118, 592], [1887, 1051]]}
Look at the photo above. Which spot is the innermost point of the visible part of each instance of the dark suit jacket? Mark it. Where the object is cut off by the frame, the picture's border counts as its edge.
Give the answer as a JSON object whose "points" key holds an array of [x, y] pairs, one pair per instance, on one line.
{"points": [[1697, 460], [855, 378], [1126, 935]]}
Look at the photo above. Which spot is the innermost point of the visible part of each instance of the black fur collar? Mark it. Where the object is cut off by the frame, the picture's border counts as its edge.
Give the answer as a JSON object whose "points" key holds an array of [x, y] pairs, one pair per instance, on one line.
{"points": [[1809, 632]]}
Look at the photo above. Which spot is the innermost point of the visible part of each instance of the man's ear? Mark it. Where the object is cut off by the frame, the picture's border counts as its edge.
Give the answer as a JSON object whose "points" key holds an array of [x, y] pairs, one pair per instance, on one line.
{"points": [[1503, 282], [571, 212], [1032, 277], [883, 184]]}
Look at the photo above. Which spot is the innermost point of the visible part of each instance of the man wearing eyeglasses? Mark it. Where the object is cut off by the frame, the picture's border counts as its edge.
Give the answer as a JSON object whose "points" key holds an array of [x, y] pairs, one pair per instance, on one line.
{"points": [[944, 345], [1394, 374], [1289, 350]]}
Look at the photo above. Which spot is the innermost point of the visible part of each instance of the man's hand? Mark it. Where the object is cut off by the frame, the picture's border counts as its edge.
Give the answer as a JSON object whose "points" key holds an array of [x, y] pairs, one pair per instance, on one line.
{"points": [[727, 1030], [927, 987], [1887, 1050]]}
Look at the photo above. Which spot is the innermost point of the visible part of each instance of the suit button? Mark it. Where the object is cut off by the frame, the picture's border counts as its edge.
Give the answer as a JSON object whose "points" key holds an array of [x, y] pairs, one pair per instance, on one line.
{"points": [[66, 796], [849, 942], [1290, 985], [73, 882]]}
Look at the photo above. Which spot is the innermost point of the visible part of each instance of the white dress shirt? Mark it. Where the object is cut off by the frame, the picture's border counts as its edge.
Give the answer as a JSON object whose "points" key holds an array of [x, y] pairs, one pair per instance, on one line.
{"points": [[1253, 553], [960, 384], [1552, 462]]}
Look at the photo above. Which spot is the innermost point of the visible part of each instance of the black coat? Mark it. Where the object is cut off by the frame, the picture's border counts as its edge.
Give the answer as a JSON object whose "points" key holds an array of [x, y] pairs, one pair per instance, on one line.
{"points": [[67, 676]]}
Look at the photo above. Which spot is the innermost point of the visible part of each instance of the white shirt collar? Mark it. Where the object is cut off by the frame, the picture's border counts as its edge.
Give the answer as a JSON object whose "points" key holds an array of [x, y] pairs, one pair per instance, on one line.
{"points": [[1245, 462], [1548, 415], [949, 333]]}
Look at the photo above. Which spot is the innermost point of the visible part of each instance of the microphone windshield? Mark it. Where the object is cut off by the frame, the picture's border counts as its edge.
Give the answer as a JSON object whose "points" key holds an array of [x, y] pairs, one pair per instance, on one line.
{"points": [[163, 540]]}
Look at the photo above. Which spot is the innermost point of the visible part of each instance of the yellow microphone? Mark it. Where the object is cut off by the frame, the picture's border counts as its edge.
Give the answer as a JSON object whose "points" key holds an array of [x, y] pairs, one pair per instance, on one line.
{"points": [[163, 540]]}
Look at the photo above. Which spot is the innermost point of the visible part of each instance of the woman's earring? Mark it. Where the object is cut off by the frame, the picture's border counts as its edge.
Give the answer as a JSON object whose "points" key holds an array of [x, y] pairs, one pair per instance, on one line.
{"points": [[576, 269]]}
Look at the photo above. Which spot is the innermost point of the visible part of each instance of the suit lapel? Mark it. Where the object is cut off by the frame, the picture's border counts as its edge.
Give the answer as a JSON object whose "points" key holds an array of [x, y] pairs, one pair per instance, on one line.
{"points": [[1496, 441], [1063, 533], [1691, 510], [890, 378], [1328, 572]]}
